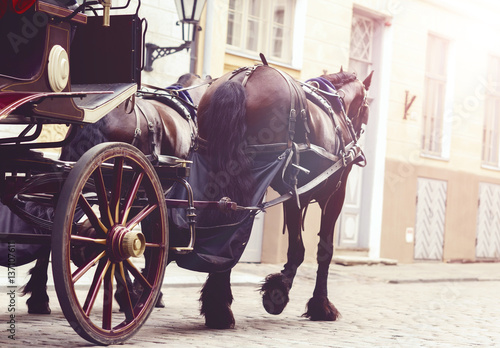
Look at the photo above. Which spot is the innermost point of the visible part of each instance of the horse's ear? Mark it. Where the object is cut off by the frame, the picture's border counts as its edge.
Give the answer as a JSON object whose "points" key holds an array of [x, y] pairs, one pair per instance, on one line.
{"points": [[341, 69], [368, 81]]}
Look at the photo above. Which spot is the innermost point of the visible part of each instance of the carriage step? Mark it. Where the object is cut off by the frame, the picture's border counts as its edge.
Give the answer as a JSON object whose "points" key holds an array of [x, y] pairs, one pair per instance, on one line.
{"points": [[182, 250]]}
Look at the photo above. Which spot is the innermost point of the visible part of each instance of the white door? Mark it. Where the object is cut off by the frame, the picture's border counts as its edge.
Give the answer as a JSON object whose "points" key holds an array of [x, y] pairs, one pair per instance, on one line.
{"points": [[364, 55], [430, 219], [253, 250], [349, 219], [488, 222]]}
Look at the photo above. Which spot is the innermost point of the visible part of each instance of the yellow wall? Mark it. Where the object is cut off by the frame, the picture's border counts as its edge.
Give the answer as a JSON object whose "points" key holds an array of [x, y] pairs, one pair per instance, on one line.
{"points": [[466, 31], [400, 211]]}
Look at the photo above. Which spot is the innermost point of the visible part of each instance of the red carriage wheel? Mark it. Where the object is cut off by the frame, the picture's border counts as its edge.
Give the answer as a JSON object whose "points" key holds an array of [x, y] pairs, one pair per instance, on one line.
{"points": [[110, 243]]}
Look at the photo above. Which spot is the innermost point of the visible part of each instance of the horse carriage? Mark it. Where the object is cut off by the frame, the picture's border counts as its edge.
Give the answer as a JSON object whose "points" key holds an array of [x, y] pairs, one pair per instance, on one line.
{"points": [[114, 214]]}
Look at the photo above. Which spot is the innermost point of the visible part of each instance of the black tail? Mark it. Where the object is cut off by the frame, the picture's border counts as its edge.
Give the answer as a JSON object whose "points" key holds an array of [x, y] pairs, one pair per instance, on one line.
{"points": [[225, 127]]}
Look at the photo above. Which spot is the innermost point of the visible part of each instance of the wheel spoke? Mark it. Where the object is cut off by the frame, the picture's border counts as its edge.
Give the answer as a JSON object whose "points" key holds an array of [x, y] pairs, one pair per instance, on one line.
{"points": [[131, 197], [82, 270], [117, 188], [75, 237], [102, 197], [138, 275], [94, 220], [96, 285], [126, 300], [107, 311], [141, 216], [154, 245]]}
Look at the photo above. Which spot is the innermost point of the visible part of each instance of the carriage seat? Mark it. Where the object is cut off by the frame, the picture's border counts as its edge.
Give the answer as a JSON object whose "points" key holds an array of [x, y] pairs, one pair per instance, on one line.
{"points": [[110, 95]]}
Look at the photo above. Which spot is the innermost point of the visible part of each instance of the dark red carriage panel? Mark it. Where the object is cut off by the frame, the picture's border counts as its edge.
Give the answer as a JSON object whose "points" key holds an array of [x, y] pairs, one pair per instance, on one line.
{"points": [[87, 62], [107, 54], [27, 41]]}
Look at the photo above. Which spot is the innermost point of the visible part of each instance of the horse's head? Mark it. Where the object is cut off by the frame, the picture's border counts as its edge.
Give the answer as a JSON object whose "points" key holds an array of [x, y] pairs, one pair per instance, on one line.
{"points": [[354, 95], [199, 85]]}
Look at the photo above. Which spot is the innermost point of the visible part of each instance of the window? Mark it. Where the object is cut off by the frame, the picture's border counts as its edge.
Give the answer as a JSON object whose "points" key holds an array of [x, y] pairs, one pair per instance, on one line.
{"points": [[361, 47], [434, 97], [256, 26], [491, 129]]}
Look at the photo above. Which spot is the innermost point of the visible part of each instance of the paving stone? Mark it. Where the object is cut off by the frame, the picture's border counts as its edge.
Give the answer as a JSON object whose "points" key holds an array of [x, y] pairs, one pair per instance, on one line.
{"points": [[425, 305]]}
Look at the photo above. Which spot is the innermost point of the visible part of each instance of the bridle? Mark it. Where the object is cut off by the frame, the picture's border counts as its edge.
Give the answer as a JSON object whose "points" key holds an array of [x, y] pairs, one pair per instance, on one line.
{"points": [[361, 110]]}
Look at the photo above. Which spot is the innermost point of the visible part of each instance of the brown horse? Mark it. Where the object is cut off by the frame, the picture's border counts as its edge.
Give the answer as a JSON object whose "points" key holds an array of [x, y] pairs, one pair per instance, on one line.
{"points": [[151, 126], [262, 106]]}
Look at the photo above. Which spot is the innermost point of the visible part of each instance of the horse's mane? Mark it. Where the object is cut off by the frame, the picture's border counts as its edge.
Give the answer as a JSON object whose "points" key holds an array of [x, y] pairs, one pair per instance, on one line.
{"points": [[341, 78]]}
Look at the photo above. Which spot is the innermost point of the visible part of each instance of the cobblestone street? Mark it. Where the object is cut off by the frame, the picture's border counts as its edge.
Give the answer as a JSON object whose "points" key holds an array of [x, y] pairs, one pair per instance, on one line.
{"points": [[418, 305]]}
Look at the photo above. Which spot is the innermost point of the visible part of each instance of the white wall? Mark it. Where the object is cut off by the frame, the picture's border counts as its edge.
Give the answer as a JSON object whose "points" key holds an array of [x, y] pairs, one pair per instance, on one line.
{"points": [[161, 16]]}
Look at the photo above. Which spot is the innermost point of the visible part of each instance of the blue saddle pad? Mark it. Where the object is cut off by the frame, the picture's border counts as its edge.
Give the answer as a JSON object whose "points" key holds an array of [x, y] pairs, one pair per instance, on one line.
{"points": [[327, 86]]}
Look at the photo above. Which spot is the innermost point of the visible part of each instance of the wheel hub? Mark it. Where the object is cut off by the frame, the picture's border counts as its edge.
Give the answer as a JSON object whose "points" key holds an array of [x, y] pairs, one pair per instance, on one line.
{"points": [[124, 243]]}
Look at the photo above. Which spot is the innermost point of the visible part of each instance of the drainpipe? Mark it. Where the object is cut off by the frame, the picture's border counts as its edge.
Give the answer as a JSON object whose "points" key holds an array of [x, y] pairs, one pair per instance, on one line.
{"points": [[209, 26]]}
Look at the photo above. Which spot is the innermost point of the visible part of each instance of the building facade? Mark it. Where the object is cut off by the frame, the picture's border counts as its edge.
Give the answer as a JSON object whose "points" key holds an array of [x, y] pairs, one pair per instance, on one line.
{"points": [[431, 189]]}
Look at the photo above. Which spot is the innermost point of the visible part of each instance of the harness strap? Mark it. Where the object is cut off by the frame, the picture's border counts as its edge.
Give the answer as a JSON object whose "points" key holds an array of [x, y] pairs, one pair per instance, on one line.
{"points": [[281, 147], [130, 102], [364, 104], [174, 101], [248, 73], [354, 153], [137, 133], [327, 107], [208, 82]]}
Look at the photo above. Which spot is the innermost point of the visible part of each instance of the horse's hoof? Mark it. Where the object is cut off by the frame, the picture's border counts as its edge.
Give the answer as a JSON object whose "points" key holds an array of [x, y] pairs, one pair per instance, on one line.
{"points": [[321, 309], [275, 293], [221, 321], [159, 302], [38, 307]]}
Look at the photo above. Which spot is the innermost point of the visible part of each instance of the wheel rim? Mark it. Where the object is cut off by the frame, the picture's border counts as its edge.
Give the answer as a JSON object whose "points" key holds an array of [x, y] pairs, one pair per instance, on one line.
{"points": [[99, 237]]}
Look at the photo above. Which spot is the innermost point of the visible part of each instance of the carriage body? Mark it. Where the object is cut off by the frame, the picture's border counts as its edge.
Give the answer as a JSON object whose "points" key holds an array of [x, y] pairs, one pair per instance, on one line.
{"points": [[61, 67]]}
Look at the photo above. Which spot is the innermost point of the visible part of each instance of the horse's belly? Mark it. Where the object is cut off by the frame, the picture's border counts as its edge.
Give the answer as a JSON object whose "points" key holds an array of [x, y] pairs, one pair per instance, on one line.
{"points": [[15, 254]]}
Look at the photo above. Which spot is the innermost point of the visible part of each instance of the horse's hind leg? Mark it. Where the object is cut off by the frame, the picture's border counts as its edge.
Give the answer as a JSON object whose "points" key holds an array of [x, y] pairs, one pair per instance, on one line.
{"points": [[319, 306], [38, 303], [216, 299], [277, 286]]}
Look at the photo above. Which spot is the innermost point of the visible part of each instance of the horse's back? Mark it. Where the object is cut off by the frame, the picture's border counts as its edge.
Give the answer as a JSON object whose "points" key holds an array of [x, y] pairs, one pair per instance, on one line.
{"points": [[178, 133], [268, 103]]}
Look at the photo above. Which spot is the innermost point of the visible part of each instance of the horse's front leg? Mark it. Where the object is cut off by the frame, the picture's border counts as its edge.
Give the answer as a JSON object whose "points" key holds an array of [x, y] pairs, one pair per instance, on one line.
{"points": [[319, 306], [38, 303], [216, 299], [277, 286]]}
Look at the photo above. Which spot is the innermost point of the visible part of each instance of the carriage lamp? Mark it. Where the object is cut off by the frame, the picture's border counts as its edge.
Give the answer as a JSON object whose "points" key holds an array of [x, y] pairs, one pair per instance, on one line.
{"points": [[189, 12]]}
